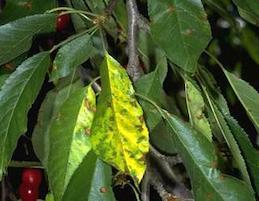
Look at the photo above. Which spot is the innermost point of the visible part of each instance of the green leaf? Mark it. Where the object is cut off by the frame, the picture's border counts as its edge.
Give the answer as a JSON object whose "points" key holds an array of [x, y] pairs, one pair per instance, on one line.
{"points": [[68, 138], [250, 41], [250, 154], [119, 135], [196, 106], [230, 140], [72, 55], [16, 97], [15, 9], [16, 37], [200, 160], [247, 95], [249, 10], [181, 29], [91, 181], [2, 79], [151, 86]]}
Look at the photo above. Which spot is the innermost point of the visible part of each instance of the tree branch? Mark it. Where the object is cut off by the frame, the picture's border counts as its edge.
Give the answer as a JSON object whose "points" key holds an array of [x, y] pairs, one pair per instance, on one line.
{"points": [[133, 67], [110, 7]]}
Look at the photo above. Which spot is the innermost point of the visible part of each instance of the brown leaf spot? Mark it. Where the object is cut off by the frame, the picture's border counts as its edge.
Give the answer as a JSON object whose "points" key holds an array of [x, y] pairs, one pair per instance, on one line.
{"points": [[28, 5], [171, 8], [204, 17], [141, 119], [200, 116], [103, 190], [214, 164], [8, 66], [209, 196], [188, 32], [87, 131], [221, 177]]}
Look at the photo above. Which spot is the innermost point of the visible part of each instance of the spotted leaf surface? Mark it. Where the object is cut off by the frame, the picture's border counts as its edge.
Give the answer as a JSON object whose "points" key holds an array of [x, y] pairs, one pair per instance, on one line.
{"points": [[181, 29], [119, 134], [68, 137], [196, 105]]}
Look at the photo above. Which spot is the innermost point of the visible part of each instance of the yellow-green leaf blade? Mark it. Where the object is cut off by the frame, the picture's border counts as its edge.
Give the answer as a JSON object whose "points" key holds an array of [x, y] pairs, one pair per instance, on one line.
{"points": [[69, 143], [196, 105], [119, 134]]}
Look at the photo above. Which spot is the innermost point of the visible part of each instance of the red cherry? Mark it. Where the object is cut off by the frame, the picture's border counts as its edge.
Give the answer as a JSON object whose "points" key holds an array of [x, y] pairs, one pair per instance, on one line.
{"points": [[32, 177], [28, 193], [62, 22]]}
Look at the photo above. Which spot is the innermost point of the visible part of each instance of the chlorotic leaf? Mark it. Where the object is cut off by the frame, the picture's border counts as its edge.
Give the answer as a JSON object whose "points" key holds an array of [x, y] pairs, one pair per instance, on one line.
{"points": [[196, 105], [71, 55], [16, 97], [16, 36], [91, 181], [68, 138], [247, 95], [119, 135], [200, 160], [181, 29]]}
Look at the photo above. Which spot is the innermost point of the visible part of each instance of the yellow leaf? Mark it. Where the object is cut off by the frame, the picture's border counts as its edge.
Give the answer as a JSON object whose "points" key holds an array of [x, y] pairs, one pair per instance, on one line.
{"points": [[119, 134]]}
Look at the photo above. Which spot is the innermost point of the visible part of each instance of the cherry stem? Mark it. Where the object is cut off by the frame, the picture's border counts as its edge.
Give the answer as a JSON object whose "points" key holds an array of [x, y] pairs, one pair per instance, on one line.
{"points": [[31, 164], [93, 29]]}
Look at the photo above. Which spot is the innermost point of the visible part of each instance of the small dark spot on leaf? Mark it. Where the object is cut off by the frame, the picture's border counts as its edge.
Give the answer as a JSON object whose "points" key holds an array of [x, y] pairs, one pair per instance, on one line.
{"points": [[87, 131], [8, 66], [171, 8], [200, 116], [214, 164], [103, 189], [188, 32], [204, 17]]}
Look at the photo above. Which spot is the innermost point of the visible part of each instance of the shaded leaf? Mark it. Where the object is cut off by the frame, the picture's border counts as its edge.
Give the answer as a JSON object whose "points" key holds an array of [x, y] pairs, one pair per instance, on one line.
{"points": [[181, 29], [151, 86], [249, 10], [200, 160], [196, 106], [230, 140], [91, 181], [71, 55], [47, 114], [16, 37], [119, 135], [68, 138], [247, 95], [250, 154], [16, 97], [250, 41], [15, 9]]}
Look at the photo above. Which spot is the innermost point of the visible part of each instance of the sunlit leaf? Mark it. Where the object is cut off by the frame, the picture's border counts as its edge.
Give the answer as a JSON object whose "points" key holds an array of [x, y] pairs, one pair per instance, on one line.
{"points": [[200, 160], [119, 134], [68, 138], [181, 29], [196, 106], [16, 37], [16, 97], [247, 95], [71, 55]]}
